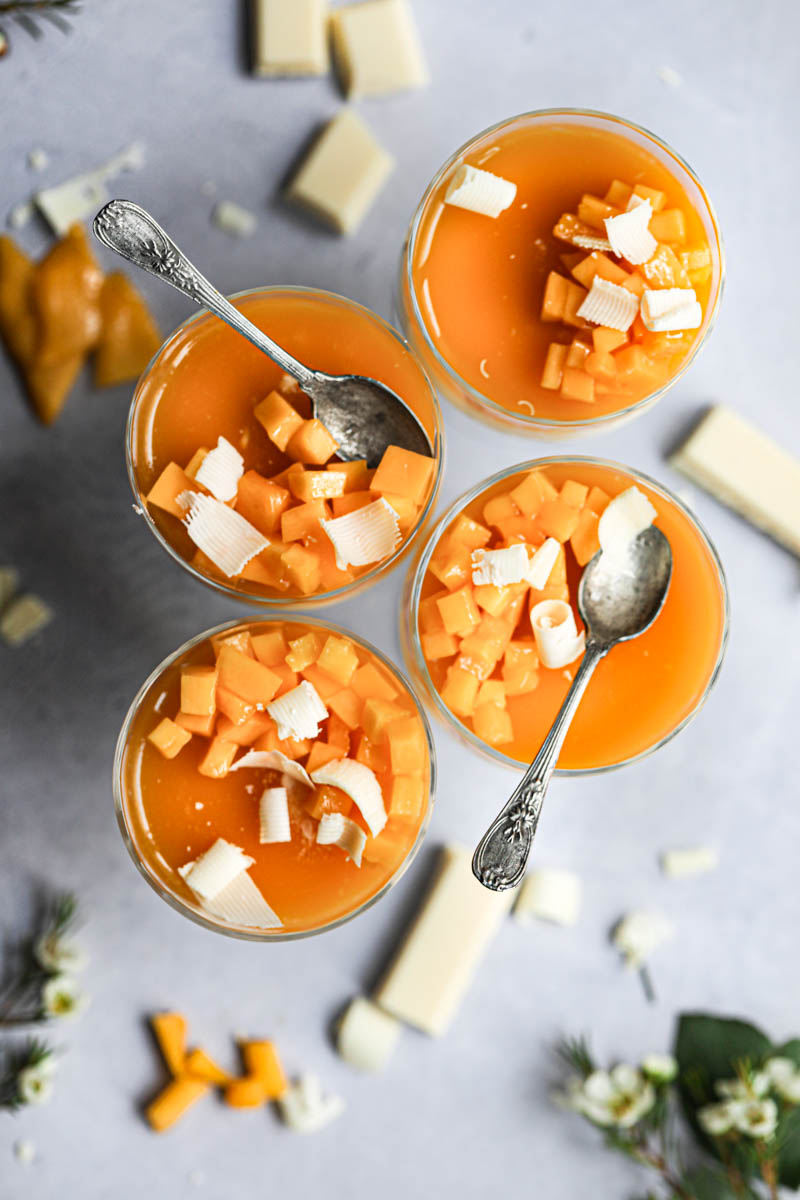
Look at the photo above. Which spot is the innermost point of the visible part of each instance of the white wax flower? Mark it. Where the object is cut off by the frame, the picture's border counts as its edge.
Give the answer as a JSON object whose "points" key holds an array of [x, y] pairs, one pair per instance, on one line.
{"points": [[619, 1097], [61, 997], [35, 1083], [55, 953], [661, 1068]]}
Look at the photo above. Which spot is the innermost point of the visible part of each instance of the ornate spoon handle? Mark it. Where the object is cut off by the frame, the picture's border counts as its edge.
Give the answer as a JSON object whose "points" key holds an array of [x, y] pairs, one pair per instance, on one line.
{"points": [[138, 237], [502, 853]]}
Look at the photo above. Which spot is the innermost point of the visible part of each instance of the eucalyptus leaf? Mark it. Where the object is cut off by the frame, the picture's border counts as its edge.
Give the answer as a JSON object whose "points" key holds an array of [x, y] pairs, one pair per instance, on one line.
{"points": [[709, 1048], [707, 1183], [788, 1050], [789, 1143]]}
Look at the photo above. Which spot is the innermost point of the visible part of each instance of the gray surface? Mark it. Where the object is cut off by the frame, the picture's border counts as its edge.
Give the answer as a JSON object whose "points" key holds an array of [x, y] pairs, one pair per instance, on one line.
{"points": [[170, 74]]}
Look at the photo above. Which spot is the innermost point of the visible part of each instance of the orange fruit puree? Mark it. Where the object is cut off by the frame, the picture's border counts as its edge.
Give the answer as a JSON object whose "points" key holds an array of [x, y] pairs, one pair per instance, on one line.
{"points": [[178, 795], [638, 695], [486, 288]]}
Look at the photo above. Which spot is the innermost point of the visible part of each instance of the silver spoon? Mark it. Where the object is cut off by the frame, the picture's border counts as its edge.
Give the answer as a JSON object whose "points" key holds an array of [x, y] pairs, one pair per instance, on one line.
{"points": [[362, 415], [617, 599]]}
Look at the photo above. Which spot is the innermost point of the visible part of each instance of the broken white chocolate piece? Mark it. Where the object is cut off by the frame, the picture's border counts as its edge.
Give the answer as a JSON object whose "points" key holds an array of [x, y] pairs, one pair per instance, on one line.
{"points": [[610, 305], [220, 470], [81, 196], [298, 712], [695, 860], [500, 567], [273, 760], [623, 520], [273, 813], [542, 562], [367, 535], [214, 870], [638, 934], [630, 236], [557, 639], [585, 241], [233, 219], [22, 617], [342, 174], [666, 309], [242, 903], [366, 1036], [290, 37], [305, 1109], [361, 785], [743, 468], [221, 533], [480, 191], [376, 48], [440, 953], [550, 895], [38, 159], [335, 829], [9, 582]]}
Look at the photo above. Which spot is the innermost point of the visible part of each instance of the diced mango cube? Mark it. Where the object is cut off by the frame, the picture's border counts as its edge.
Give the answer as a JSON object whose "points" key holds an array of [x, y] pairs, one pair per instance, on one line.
{"points": [[240, 641], [261, 1062], [665, 270], [584, 540], [169, 738], [198, 690], [370, 755], [557, 519], [601, 366], [261, 502], [303, 521], [669, 225], [171, 483], [598, 265], [520, 667], [657, 199], [605, 339], [404, 507], [452, 566], [438, 645], [469, 533], [348, 706], [218, 758], [303, 569], [350, 501], [574, 493], [204, 726], [369, 680], [492, 598], [338, 659], [377, 715], [311, 443], [459, 611], [531, 492], [287, 677], [303, 651], [196, 461], [320, 754], [356, 474], [234, 707], [279, 418], [492, 691], [308, 485], [406, 745], [554, 366], [430, 619], [406, 797], [577, 353], [492, 724], [245, 676], [598, 500], [323, 683], [575, 298], [635, 367], [577, 385], [404, 473], [500, 507], [244, 733], [270, 647], [556, 290], [593, 211], [459, 691], [390, 847], [618, 194], [337, 734]]}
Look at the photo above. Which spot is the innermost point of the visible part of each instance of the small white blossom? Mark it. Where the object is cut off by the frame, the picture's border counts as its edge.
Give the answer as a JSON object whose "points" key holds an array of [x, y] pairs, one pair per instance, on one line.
{"points": [[61, 997], [784, 1075], [751, 1088], [661, 1068], [55, 953], [718, 1119], [639, 933], [35, 1083], [757, 1119], [619, 1097]]}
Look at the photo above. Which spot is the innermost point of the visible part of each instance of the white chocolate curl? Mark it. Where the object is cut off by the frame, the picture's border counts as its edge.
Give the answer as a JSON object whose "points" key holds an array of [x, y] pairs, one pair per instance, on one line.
{"points": [[557, 637]]}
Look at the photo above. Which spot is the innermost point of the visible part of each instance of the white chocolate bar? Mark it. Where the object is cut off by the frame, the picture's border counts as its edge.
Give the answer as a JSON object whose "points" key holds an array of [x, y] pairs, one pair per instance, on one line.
{"points": [[376, 48], [290, 37]]}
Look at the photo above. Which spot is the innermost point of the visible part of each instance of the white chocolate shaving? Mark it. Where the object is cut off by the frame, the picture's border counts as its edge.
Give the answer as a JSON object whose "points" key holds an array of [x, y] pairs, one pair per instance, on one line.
{"points": [[639, 933], [304, 1108], [585, 241], [77, 198], [222, 534], [242, 903], [557, 637], [214, 870], [623, 520], [480, 191], [610, 305], [630, 236], [298, 712], [361, 785], [274, 760], [666, 309], [273, 812], [221, 470], [366, 1035], [549, 895], [695, 860], [367, 535], [500, 567], [233, 219], [335, 829], [542, 563]]}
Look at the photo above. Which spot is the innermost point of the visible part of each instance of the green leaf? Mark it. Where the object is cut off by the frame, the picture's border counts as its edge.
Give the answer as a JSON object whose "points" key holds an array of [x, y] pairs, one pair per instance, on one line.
{"points": [[709, 1048], [788, 1135], [707, 1183], [788, 1050]]}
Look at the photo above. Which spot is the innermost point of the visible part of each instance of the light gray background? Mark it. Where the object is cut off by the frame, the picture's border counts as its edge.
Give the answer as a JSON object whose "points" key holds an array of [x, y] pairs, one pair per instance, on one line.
{"points": [[469, 1115]]}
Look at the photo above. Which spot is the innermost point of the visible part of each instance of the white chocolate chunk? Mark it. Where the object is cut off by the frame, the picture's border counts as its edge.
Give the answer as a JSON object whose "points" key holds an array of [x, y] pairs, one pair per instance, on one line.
{"points": [[342, 174], [221, 470], [242, 903], [233, 219], [480, 191], [542, 562], [695, 860], [665, 309], [273, 760], [20, 214], [623, 520], [376, 48], [440, 953], [214, 870], [290, 37], [549, 895], [557, 639], [273, 812], [585, 241], [630, 236], [743, 468], [500, 567], [38, 159], [361, 785], [23, 617], [81, 196], [9, 582], [366, 1036], [305, 1109], [335, 829], [610, 305], [298, 712], [367, 535], [221, 533], [638, 934]]}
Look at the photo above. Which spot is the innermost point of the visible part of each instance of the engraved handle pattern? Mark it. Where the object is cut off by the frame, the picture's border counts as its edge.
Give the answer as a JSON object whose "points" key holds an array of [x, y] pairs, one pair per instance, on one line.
{"points": [[502, 853], [135, 235]]}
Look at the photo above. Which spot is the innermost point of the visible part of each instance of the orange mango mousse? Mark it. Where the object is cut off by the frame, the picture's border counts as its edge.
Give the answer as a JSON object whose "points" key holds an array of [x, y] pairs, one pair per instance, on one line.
{"points": [[181, 789], [280, 471], [500, 297], [478, 643]]}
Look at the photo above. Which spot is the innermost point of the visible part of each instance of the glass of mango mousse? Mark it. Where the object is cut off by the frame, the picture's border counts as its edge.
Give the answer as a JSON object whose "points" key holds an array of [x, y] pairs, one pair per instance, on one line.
{"points": [[492, 631], [561, 272], [238, 482], [274, 778]]}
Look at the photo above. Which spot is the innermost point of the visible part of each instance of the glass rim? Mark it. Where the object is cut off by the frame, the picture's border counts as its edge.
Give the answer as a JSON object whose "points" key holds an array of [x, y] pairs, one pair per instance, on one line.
{"points": [[288, 603], [242, 932], [480, 398], [419, 570]]}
